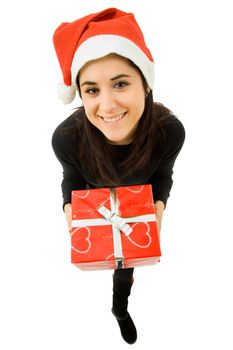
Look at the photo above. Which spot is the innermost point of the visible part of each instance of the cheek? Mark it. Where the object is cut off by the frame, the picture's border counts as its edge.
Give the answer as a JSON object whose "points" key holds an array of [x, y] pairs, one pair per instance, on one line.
{"points": [[137, 100], [89, 116], [139, 108], [89, 109]]}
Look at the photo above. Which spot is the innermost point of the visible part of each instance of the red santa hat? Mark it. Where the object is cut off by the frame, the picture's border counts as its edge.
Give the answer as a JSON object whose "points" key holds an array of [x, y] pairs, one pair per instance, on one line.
{"points": [[95, 36]]}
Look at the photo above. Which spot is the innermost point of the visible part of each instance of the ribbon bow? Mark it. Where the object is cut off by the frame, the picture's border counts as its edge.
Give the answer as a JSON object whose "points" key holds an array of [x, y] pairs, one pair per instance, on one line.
{"points": [[115, 219]]}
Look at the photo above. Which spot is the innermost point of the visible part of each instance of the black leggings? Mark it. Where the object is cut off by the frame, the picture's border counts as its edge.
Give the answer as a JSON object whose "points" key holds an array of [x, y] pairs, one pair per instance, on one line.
{"points": [[124, 275]]}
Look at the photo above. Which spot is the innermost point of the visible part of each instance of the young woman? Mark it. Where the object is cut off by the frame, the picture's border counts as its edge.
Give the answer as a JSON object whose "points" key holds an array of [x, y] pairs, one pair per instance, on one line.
{"points": [[119, 137]]}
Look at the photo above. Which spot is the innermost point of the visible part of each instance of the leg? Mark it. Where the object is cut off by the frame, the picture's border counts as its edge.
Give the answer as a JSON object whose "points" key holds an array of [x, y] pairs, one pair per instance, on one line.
{"points": [[124, 275], [122, 283]]}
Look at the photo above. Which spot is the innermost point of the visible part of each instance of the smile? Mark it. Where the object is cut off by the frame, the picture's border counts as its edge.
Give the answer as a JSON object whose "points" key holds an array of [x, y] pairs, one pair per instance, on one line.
{"points": [[114, 119]]}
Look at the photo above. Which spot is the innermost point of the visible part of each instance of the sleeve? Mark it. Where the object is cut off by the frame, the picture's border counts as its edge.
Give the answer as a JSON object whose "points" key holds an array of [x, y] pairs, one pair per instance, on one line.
{"points": [[72, 179], [161, 180]]}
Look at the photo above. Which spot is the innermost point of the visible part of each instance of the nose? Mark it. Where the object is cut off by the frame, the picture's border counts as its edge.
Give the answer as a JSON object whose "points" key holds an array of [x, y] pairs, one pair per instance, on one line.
{"points": [[107, 102]]}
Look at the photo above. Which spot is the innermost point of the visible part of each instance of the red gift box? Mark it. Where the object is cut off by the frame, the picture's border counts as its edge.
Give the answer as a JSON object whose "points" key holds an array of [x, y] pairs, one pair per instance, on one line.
{"points": [[114, 228]]}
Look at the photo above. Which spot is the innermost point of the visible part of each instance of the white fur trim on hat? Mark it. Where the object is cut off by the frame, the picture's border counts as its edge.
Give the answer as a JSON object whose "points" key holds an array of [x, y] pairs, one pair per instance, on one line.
{"points": [[66, 93], [104, 44]]}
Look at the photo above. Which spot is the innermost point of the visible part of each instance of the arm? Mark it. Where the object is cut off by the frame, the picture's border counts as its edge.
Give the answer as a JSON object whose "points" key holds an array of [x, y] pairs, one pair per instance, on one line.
{"points": [[72, 179], [161, 180]]}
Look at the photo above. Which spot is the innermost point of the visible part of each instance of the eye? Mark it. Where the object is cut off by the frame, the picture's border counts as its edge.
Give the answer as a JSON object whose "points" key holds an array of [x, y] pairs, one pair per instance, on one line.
{"points": [[121, 84], [91, 91]]}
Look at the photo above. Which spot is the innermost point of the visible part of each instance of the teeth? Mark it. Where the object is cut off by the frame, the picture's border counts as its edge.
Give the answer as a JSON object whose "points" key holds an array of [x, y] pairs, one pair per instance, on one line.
{"points": [[113, 120]]}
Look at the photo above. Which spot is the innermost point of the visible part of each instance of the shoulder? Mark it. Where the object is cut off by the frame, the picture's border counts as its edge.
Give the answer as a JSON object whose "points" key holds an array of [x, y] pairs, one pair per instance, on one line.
{"points": [[170, 129], [65, 135], [174, 136], [174, 130], [170, 133]]}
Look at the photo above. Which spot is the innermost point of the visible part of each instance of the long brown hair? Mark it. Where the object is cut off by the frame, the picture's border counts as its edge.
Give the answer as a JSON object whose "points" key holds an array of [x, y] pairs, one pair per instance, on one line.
{"points": [[96, 155]]}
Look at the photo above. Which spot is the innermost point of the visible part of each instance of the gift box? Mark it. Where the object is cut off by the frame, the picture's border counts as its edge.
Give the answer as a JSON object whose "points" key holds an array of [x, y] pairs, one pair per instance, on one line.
{"points": [[114, 228]]}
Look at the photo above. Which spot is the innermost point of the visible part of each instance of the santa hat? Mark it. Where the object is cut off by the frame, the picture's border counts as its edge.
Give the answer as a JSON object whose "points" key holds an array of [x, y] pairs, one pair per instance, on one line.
{"points": [[95, 36]]}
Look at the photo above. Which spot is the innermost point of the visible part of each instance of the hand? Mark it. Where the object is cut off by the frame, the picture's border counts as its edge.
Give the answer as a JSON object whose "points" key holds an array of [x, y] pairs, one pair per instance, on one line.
{"points": [[158, 224], [68, 213], [158, 229], [159, 209]]}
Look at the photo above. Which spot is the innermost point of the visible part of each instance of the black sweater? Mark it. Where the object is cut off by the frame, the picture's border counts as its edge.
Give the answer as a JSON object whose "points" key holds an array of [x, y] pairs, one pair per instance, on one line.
{"points": [[158, 172]]}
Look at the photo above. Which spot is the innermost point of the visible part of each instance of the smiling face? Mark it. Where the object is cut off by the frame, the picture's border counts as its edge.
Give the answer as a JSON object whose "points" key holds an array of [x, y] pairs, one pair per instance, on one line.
{"points": [[113, 97]]}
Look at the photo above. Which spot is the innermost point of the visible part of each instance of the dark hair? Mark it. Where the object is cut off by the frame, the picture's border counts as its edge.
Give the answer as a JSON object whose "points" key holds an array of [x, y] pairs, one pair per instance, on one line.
{"points": [[95, 152]]}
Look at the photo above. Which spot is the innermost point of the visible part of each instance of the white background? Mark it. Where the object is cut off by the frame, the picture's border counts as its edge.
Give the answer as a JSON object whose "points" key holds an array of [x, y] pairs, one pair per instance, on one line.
{"points": [[185, 301]]}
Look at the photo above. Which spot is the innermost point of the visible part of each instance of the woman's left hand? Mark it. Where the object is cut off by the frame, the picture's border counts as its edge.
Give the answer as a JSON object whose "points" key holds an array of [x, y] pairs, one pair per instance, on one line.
{"points": [[159, 209]]}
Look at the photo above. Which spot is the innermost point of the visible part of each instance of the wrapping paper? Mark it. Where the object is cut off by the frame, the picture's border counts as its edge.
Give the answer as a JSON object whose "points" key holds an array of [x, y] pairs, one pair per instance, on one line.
{"points": [[114, 228]]}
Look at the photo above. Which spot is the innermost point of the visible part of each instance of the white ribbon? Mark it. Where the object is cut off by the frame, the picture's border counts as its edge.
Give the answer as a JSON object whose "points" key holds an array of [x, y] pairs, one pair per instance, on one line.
{"points": [[104, 222]]}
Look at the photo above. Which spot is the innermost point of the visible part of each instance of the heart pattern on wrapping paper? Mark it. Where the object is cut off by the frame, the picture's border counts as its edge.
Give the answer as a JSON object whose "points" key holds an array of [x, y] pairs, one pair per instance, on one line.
{"points": [[81, 193], [84, 239], [140, 238], [134, 189], [138, 241]]}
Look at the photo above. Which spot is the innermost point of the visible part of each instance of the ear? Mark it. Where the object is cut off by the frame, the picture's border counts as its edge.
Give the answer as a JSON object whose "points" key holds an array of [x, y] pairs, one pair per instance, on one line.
{"points": [[147, 91]]}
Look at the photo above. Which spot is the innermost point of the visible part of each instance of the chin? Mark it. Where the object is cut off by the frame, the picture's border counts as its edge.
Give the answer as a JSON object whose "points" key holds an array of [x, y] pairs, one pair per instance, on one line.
{"points": [[114, 139], [124, 140], [119, 142]]}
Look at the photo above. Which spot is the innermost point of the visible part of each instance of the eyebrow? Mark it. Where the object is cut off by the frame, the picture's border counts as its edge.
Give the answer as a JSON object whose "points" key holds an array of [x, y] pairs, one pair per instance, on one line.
{"points": [[112, 79], [120, 76]]}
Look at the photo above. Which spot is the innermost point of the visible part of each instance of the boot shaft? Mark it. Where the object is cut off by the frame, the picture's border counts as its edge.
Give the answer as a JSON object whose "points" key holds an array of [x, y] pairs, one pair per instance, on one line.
{"points": [[121, 292]]}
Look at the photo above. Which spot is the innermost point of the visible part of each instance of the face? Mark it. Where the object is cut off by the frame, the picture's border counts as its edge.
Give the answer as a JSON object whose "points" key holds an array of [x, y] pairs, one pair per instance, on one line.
{"points": [[113, 97]]}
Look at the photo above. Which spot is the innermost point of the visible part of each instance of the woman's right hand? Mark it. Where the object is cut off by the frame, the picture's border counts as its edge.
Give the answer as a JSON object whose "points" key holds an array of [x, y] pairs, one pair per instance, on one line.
{"points": [[68, 213]]}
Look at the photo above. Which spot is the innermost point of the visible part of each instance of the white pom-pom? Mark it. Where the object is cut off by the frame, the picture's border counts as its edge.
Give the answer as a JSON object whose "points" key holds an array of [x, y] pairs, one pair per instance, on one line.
{"points": [[66, 93]]}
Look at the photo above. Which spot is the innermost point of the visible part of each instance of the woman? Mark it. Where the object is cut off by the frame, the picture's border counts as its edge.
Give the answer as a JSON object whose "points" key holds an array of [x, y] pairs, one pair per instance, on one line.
{"points": [[119, 136]]}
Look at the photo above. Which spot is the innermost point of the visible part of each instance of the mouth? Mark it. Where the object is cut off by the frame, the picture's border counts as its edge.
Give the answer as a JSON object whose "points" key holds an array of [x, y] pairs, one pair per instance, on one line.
{"points": [[113, 120]]}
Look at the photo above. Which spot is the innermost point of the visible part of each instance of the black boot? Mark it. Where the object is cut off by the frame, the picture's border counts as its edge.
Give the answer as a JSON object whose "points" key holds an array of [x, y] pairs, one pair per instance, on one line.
{"points": [[121, 291]]}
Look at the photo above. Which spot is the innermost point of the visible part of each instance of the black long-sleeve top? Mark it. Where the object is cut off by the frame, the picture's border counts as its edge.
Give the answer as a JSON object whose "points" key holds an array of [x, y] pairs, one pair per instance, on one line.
{"points": [[158, 172]]}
